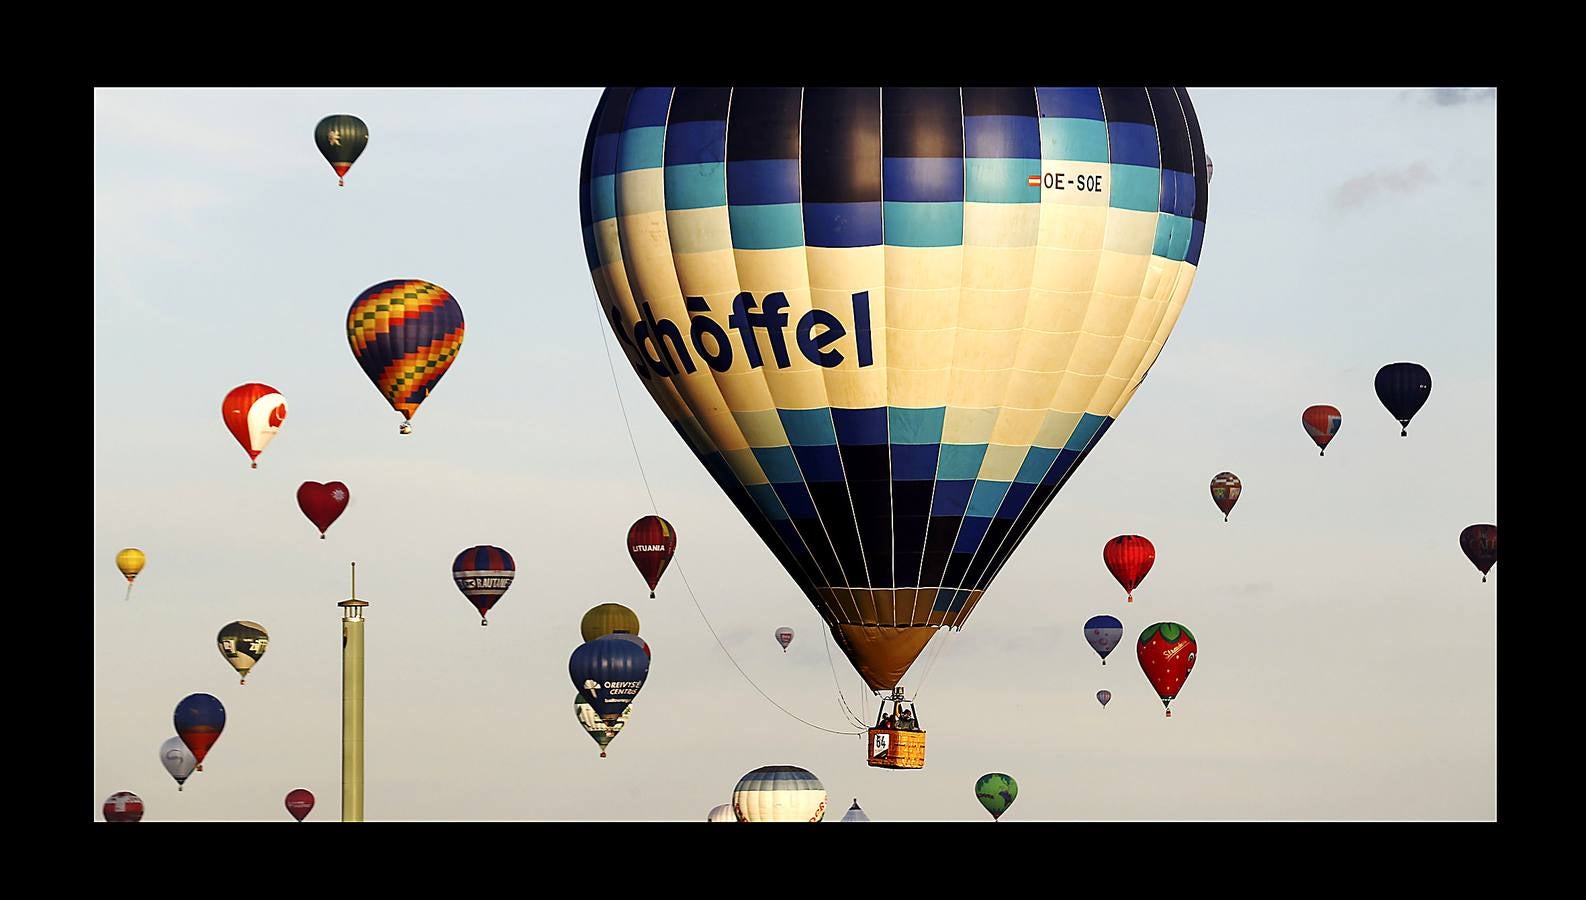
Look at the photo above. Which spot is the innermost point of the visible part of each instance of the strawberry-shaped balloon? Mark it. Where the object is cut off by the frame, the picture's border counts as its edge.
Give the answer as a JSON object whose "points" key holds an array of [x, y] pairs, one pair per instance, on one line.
{"points": [[322, 503], [1167, 654]]}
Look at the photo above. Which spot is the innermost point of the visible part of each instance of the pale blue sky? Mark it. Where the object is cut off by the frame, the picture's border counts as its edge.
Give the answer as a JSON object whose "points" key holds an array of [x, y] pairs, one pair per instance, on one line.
{"points": [[1346, 667]]}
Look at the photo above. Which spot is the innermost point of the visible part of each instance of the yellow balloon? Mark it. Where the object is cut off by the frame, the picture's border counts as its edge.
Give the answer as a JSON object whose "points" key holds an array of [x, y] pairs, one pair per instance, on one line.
{"points": [[130, 562], [890, 322], [608, 618]]}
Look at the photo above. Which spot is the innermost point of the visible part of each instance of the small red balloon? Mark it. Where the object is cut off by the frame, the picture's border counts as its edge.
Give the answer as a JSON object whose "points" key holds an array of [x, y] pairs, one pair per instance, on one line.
{"points": [[322, 503], [651, 543], [300, 803], [1129, 557], [123, 806]]}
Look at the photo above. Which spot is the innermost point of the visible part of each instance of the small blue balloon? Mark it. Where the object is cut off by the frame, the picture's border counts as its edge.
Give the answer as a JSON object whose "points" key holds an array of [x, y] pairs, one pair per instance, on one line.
{"points": [[1103, 633]]}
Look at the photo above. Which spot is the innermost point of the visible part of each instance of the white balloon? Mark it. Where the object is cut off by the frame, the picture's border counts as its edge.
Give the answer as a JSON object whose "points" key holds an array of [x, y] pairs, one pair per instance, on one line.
{"points": [[178, 760], [722, 813], [779, 794]]}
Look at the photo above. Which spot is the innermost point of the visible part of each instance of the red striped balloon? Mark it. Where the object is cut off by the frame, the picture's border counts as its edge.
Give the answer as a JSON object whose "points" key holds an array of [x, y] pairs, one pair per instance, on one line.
{"points": [[651, 543], [1129, 558]]}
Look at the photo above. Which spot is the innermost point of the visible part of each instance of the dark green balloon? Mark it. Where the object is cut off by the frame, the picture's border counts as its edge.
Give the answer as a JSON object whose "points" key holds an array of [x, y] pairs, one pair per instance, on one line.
{"points": [[996, 792], [341, 140]]}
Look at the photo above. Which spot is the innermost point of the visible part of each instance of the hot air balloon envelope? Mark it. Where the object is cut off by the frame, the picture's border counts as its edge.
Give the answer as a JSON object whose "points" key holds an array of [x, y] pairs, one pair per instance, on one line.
{"points": [[996, 792], [1480, 543], [1167, 654], [1103, 634], [1129, 557], [243, 644], [651, 543], [1103, 697], [341, 140], [608, 618], [1321, 423], [322, 503], [890, 322], [483, 574], [299, 803], [779, 794], [199, 719], [600, 730], [1225, 492], [608, 673], [405, 333], [254, 413], [784, 636], [177, 760], [1403, 388], [123, 806]]}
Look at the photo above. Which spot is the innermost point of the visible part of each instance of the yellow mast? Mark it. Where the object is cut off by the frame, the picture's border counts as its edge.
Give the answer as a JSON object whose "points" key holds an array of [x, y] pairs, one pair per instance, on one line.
{"points": [[352, 704]]}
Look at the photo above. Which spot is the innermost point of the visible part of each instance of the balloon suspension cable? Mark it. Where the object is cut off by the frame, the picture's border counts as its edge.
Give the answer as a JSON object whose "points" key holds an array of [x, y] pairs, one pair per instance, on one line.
{"points": [[847, 710], [938, 653], [129, 587], [600, 325]]}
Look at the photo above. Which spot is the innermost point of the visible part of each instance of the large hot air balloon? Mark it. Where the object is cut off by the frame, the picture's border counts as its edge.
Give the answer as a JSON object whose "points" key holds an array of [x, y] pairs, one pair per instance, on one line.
{"points": [[483, 574], [299, 803], [199, 721], [602, 731], [322, 503], [243, 645], [405, 333], [1404, 387], [608, 618], [779, 794], [784, 636], [1480, 543], [177, 760], [608, 673], [130, 562], [1321, 423], [341, 140], [996, 792], [1225, 492], [123, 806], [855, 814], [254, 413], [891, 321], [651, 543], [1129, 557], [1103, 633], [1167, 654], [1103, 697], [722, 813]]}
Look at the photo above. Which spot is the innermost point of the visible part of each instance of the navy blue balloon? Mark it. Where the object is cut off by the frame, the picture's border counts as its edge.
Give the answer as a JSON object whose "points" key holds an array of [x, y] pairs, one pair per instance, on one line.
{"points": [[608, 673], [1103, 634], [1403, 388]]}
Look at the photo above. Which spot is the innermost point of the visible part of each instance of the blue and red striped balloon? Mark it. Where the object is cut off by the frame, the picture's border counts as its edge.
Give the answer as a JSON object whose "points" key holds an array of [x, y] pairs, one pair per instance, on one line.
{"points": [[483, 574]]}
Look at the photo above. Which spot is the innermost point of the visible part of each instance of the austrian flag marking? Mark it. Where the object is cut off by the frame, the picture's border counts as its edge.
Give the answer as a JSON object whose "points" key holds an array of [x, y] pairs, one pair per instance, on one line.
{"points": [[1035, 181]]}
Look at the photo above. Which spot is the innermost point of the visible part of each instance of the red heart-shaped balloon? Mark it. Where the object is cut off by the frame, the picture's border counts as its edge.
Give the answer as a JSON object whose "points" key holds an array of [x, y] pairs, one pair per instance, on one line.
{"points": [[322, 503]]}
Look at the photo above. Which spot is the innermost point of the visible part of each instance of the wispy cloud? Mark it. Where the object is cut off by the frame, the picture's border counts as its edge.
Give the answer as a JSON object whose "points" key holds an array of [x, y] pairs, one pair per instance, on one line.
{"points": [[1454, 96], [1358, 192]]}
